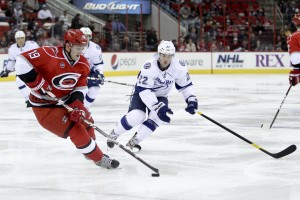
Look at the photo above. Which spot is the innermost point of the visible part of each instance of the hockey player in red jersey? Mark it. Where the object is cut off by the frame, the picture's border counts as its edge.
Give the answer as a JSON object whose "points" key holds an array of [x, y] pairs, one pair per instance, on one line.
{"points": [[293, 43], [63, 71]]}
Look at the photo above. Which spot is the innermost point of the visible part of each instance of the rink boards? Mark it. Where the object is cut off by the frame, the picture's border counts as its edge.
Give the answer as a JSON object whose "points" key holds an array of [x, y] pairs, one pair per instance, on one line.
{"points": [[127, 63]]}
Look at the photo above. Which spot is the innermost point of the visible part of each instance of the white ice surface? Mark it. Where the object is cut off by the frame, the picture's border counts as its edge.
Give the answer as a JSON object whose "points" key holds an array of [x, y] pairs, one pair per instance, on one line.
{"points": [[197, 159]]}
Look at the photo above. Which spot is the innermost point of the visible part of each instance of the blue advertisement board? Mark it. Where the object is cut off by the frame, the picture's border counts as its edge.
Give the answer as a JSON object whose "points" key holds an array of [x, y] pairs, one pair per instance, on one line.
{"points": [[114, 7]]}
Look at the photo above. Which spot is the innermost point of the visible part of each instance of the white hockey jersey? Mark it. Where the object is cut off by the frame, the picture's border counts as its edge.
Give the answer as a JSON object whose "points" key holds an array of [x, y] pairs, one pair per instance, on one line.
{"points": [[151, 77], [93, 54], [15, 51]]}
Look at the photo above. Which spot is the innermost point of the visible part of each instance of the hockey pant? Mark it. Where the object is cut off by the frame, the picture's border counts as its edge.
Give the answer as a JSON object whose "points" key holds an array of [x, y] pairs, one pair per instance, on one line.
{"points": [[56, 120]]}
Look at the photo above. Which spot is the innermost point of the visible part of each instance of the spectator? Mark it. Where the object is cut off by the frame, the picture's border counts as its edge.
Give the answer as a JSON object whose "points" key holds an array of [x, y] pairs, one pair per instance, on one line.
{"points": [[108, 31], [58, 28], [18, 13], [235, 46], [190, 46], [45, 14], [91, 26], [118, 26], [185, 13], [136, 46], [181, 45], [64, 18], [193, 35], [125, 45], [151, 40], [41, 3], [259, 28], [76, 22], [174, 41], [201, 45]]}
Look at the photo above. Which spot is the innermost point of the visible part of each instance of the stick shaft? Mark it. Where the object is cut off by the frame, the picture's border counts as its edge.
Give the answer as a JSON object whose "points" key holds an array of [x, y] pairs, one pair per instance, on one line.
{"points": [[280, 106], [108, 81]]}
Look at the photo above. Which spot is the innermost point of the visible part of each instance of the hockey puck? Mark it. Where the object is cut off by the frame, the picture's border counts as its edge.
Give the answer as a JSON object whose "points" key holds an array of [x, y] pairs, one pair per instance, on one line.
{"points": [[155, 175]]}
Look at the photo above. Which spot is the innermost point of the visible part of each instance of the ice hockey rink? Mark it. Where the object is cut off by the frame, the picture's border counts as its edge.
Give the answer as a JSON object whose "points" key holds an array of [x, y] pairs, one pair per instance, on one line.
{"points": [[197, 160]]}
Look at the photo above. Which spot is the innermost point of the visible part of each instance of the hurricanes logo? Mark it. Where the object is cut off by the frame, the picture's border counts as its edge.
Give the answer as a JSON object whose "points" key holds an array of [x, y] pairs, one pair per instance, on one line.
{"points": [[114, 62], [66, 81]]}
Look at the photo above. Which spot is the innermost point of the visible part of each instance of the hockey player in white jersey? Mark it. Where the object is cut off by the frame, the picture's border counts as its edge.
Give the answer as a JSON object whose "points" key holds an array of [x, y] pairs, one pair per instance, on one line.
{"points": [[15, 50], [93, 53], [154, 83]]}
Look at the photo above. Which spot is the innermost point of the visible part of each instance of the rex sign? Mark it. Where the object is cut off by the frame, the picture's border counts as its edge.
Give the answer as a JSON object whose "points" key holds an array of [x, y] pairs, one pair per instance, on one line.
{"points": [[250, 60]]}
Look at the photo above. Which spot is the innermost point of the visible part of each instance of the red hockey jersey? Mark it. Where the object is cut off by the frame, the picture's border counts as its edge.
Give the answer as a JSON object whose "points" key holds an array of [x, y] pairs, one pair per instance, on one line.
{"points": [[53, 65]]}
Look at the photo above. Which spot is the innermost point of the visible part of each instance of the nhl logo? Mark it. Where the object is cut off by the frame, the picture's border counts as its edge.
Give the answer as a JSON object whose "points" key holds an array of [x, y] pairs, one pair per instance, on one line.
{"points": [[62, 65]]}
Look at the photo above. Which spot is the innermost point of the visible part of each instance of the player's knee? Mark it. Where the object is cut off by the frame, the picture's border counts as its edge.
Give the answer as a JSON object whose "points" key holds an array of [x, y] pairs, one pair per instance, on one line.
{"points": [[136, 117], [79, 135]]}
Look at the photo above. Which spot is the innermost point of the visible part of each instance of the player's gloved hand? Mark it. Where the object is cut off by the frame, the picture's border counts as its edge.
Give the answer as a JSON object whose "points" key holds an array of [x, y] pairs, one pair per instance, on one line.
{"points": [[40, 85], [192, 105], [294, 77], [4, 73], [95, 78], [162, 110], [101, 79], [79, 111]]}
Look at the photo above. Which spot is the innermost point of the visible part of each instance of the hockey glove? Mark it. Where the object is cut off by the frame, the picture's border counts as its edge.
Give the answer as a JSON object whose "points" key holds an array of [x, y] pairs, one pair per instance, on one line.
{"points": [[4, 73], [192, 105], [162, 110], [79, 112], [40, 85], [95, 78], [294, 77]]}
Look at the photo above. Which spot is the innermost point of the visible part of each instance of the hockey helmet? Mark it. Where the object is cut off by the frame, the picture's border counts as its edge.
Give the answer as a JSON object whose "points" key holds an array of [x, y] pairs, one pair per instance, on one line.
{"points": [[166, 47], [19, 34], [75, 36], [296, 19], [87, 32]]}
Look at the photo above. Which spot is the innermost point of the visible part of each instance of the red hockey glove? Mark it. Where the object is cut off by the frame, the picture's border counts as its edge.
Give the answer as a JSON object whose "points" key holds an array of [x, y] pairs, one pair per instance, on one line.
{"points": [[40, 85], [79, 111], [294, 77]]}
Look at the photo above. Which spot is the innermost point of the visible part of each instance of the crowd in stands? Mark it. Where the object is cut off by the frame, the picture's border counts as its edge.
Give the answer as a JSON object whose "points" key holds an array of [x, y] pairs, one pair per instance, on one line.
{"points": [[207, 25]]}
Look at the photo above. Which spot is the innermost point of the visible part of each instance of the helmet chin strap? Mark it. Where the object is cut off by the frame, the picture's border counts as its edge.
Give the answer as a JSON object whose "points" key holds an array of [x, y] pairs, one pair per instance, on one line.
{"points": [[68, 54]]}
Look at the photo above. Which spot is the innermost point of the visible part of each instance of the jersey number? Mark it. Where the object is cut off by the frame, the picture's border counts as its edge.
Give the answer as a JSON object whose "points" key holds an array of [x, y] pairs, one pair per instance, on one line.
{"points": [[34, 54], [143, 80]]}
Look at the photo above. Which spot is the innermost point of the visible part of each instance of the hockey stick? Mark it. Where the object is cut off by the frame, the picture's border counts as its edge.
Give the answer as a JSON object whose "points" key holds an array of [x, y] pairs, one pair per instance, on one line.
{"points": [[283, 153], [119, 83], [105, 134], [270, 126], [93, 78]]}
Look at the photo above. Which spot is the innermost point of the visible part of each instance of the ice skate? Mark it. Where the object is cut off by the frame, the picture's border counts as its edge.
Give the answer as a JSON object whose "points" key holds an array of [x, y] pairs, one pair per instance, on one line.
{"points": [[107, 162], [133, 143], [112, 136]]}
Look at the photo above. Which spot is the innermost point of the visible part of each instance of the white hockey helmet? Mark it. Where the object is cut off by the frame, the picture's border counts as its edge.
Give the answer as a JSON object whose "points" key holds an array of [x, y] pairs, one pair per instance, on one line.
{"points": [[19, 34], [87, 32], [166, 47]]}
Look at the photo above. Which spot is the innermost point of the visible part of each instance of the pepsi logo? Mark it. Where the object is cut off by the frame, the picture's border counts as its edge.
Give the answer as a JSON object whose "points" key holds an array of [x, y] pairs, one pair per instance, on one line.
{"points": [[114, 62]]}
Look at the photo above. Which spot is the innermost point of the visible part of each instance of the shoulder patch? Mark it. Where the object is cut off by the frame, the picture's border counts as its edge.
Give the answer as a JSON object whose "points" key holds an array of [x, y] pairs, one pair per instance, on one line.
{"points": [[147, 65], [98, 47], [182, 62]]}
